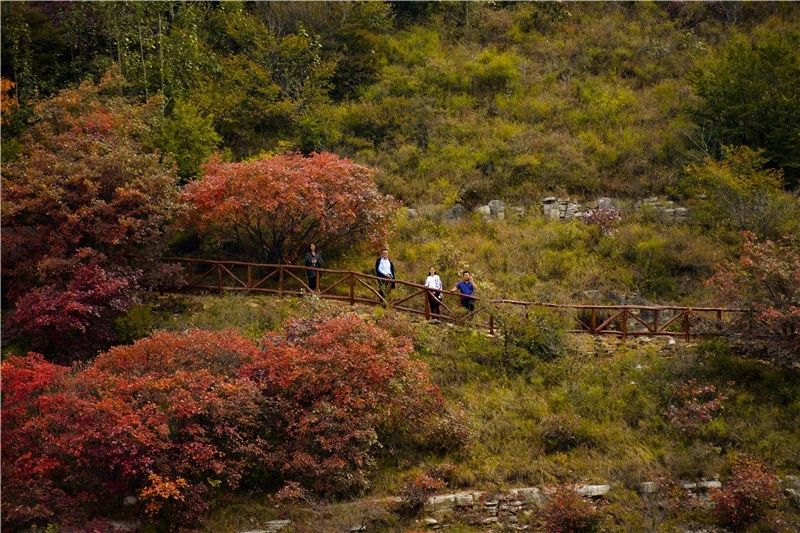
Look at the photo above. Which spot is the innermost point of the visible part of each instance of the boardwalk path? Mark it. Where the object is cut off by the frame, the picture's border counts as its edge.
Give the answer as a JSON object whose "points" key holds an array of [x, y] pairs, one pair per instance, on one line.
{"points": [[356, 287]]}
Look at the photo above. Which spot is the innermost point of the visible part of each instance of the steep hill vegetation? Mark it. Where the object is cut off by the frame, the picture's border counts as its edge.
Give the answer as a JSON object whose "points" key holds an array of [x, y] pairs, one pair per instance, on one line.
{"points": [[137, 130]]}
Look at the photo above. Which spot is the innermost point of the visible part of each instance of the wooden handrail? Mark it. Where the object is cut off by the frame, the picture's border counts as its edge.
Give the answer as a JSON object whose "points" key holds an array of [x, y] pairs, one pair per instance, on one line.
{"points": [[620, 314]]}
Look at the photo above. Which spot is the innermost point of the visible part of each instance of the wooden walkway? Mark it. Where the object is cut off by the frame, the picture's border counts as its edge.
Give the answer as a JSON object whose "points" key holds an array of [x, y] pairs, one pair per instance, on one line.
{"points": [[359, 288]]}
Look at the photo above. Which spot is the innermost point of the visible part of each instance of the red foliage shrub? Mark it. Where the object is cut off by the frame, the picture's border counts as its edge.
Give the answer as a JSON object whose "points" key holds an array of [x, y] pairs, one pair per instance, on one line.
{"points": [[766, 278], [749, 492], [567, 511], [84, 185], [76, 319], [695, 405], [134, 423], [336, 390], [416, 491], [606, 218], [322, 198], [174, 419]]}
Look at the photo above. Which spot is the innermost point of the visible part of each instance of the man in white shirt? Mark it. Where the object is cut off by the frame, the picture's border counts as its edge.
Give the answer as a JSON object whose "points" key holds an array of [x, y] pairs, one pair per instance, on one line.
{"points": [[384, 268]]}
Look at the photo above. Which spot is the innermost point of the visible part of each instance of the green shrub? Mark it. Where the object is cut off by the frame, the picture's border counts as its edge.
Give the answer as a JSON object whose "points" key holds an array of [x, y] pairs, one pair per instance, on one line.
{"points": [[139, 322]]}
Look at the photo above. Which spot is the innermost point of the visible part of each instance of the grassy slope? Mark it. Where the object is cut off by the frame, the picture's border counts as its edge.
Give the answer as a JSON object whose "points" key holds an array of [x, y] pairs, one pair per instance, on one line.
{"points": [[579, 418], [532, 258]]}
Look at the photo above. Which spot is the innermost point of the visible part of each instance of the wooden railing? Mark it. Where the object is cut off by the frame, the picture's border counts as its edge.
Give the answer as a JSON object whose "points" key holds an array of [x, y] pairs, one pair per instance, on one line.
{"points": [[360, 288]]}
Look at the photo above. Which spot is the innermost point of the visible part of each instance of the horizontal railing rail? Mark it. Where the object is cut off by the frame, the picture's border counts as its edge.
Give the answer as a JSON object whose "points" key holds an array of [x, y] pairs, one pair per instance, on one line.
{"points": [[358, 287]]}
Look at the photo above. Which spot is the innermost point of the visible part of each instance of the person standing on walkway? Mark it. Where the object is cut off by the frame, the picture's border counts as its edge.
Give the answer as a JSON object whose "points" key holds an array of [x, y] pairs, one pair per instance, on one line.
{"points": [[434, 284], [467, 288], [313, 259], [384, 268]]}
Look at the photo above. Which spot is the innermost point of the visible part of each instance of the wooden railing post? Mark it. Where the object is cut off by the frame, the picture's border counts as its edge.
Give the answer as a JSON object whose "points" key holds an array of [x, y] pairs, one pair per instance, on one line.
{"points": [[219, 279], [249, 276], [656, 314], [491, 323], [625, 323], [686, 327], [317, 281], [427, 306], [594, 320], [352, 289], [280, 280]]}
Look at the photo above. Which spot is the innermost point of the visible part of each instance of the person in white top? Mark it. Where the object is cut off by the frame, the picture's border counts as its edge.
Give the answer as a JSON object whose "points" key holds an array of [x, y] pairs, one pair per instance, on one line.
{"points": [[434, 283], [384, 269]]}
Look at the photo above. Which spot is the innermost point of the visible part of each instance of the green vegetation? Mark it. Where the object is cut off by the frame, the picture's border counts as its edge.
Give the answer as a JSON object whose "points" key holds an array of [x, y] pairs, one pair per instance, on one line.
{"points": [[573, 418], [136, 130], [533, 258], [482, 99]]}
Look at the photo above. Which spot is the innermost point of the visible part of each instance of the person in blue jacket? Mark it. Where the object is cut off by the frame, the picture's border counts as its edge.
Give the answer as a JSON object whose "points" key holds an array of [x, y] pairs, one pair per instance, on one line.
{"points": [[384, 268], [467, 288]]}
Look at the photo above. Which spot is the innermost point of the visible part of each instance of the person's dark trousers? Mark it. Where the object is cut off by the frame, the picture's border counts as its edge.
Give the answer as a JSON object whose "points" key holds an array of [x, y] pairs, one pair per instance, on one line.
{"points": [[312, 280], [433, 301], [384, 285], [469, 305]]}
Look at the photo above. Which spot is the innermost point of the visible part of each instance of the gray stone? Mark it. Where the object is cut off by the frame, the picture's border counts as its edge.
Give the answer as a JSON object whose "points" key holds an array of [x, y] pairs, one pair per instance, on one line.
{"points": [[497, 208], [592, 294], [593, 491], [129, 500], [605, 203], [484, 211], [671, 344], [549, 200], [682, 212], [126, 526], [455, 212], [648, 487], [442, 500], [794, 495], [412, 213], [277, 525], [430, 522], [706, 485], [491, 503], [464, 498], [529, 494], [688, 485], [490, 520]]}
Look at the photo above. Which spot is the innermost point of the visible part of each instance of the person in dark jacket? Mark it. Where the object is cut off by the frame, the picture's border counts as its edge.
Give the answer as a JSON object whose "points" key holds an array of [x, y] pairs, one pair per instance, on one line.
{"points": [[384, 268], [313, 259]]}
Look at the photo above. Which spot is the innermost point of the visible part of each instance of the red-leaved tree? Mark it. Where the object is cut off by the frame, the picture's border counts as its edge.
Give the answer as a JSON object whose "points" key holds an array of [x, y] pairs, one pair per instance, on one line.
{"points": [[177, 419], [274, 207], [766, 278], [84, 185]]}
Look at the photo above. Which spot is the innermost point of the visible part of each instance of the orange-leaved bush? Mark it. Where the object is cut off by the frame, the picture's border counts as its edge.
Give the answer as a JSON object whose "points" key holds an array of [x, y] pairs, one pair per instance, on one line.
{"points": [[567, 511], [176, 419], [274, 207]]}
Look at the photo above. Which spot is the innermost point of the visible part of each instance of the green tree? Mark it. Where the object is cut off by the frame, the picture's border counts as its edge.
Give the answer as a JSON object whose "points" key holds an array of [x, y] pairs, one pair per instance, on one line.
{"points": [[750, 95], [739, 193], [189, 136]]}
